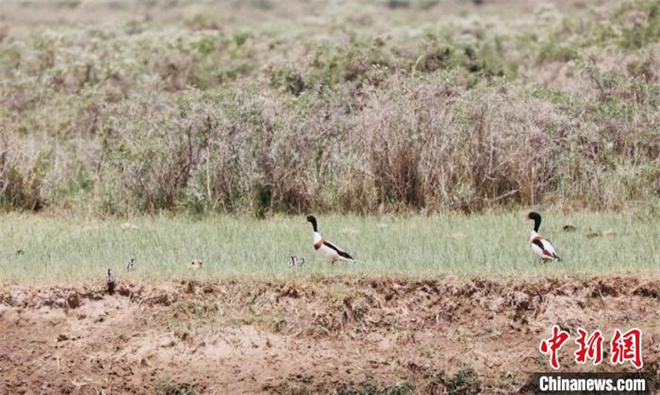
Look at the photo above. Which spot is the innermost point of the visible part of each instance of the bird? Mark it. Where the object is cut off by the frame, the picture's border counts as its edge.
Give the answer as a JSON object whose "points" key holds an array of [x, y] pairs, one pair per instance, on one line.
{"points": [[130, 265], [325, 248], [110, 282], [195, 264], [541, 247], [295, 261]]}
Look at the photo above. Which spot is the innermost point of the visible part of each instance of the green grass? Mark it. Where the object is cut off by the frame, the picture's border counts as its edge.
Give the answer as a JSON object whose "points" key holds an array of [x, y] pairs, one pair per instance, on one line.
{"points": [[67, 248]]}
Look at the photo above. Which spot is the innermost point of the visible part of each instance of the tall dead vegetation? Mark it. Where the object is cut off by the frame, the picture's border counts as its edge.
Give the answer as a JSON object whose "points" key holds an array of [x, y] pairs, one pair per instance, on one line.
{"points": [[203, 120]]}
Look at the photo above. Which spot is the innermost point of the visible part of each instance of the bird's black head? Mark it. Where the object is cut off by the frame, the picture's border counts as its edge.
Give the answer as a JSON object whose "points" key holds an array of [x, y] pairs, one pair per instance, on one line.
{"points": [[310, 218], [536, 217]]}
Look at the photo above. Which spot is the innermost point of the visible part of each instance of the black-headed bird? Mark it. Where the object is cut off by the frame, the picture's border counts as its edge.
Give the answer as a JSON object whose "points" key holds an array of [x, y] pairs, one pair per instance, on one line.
{"points": [[540, 247], [325, 248]]}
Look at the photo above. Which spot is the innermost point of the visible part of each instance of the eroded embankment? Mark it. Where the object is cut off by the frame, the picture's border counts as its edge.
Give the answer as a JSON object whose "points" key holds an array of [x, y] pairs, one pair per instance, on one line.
{"points": [[309, 335]]}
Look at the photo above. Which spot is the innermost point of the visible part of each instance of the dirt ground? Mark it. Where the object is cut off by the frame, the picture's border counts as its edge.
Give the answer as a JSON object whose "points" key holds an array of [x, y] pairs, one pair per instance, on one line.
{"points": [[311, 335]]}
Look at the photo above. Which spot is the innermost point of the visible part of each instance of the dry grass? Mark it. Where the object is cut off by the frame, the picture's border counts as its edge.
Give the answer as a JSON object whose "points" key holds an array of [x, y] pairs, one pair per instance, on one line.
{"points": [[360, 108]]}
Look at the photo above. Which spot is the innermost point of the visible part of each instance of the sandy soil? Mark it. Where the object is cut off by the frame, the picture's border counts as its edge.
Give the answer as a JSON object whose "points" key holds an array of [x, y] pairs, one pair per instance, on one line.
{"points": [[327, 335]]}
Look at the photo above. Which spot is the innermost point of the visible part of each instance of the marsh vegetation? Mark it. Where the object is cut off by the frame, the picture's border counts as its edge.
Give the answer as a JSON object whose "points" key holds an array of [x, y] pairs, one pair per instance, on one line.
{"points": [[365, 107], [72, 249]]}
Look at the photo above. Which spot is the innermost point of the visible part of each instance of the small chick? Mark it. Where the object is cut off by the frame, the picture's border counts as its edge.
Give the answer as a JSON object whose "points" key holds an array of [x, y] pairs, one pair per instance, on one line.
{"points": [[195, 264], [130, 265], [110, 282], [295, 261]]}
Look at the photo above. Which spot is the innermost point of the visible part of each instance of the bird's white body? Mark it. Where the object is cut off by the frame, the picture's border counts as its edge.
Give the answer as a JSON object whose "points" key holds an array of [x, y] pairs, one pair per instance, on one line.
{"points": [[195, 264], [328, 250], [542, 248]]}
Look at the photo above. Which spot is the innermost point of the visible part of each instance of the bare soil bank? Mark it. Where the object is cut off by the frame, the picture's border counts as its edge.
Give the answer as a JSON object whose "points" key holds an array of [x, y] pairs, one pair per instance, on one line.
{"points": [[327, 335]]}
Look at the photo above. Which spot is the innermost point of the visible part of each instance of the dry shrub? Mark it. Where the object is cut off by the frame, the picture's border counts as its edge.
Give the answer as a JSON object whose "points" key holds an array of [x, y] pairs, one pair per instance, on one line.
{"points": [[205, 119], [422, 144], [21, 180], [152, 157]]}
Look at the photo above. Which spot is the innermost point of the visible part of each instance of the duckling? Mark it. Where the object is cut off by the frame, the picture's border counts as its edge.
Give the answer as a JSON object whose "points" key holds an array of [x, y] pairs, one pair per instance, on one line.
{"points": [[110, 282], [195, 264], [295, 261]]}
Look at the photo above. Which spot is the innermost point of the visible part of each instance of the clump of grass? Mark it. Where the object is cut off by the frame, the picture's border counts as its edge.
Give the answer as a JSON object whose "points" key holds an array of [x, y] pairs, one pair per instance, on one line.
{"points": [[164, 386], [464, 382], [370, 387], [21, 183]]}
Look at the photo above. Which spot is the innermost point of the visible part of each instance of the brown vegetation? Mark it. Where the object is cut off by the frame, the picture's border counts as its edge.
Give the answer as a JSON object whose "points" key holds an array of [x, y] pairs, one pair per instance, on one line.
{"points": [[208, 114]]}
